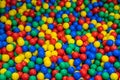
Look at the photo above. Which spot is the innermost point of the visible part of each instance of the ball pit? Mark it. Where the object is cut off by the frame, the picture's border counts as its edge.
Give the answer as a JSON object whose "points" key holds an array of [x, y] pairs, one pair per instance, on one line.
{"points": [[59, 39]]}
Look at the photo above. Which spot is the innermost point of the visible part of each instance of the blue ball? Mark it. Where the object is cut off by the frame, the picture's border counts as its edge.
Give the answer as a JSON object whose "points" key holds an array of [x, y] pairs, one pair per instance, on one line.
{"points": [[73, 34], [78, 68], [116, 53], [37, 67], [32, 48], [88, 61], [44, 69], [89, 14], [72, 27], [77, 75], [71, 69], [107, 65], [111, 70], [1, 45], [52, 66], [12, 69], [33, 58], [41, 54], [2, 31], [110, 42], [25, 48], [95, 4], [77, 62], [91, 56], [48, 76], [90, 6], [100, 3], [79, 28], [117, 42], [109, 54], [2, 25], [51, 26], [59, 61], [4, 43], [37, 18]]}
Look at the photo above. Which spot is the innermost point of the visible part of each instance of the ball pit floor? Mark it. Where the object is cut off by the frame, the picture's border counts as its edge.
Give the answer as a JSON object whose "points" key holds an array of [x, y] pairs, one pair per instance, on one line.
{"points": [[59, 39]]}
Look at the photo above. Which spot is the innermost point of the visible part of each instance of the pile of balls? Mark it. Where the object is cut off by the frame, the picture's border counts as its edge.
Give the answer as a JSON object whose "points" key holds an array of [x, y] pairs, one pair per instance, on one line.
{"points": [[59, 39]]}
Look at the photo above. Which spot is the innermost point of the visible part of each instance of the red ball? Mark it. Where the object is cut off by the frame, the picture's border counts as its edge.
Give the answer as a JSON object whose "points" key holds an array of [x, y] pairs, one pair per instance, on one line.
{"points": [[20, 73], [100, 36], [25, 76], [32, 41], [81, 21], [11, 54], [84, 38], [75, 55], [83, 72], [41, 42], [53, 78], [79, 3], [64, 39], [18, 50], [78, 9], [101, 51], [70, 78], [98, 77], [114, 34], [112, 59], [15, 36], [9, 33], [77, 38], [83, 49], [85, 66], [61, 3], [64, 78], [54, 72], [94, 33], [61, 52], [83, 57], [28, 37], [114, 26], [113, 47], [52, 14], [7, 27], [19, 67], [100, 28], [87, 77], [32, 72], [24, 63], [65, 58], [38, 3], [54, 59], [106, 48]]}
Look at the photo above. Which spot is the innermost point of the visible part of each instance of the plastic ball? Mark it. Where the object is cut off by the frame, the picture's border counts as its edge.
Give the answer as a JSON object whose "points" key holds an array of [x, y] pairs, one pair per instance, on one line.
{"points": [[15, 76], [40, 76], [5, 57], [10, 47]]}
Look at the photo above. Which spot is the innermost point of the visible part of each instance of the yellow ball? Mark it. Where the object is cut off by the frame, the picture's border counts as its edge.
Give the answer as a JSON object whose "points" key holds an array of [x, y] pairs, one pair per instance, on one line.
{"points": [[40, 76], [48, 31], [74, 0], [50, 47], [18, 59], [83, 13], [68, 4], [91, 39], [88, 35], [94, 22], [23, 18], [12, 12], [58, 8], [114, 76], [44, 27], [5, 57], [9, 39], [22, 56], [41, 34], [48, 53], [3, 19], [37, 8], [21, 27], [82, 6], [44, 18], [109, 23], [105, 27], [47, 42], [65, 25], [71, 41], [46, 59], [116, 7], [79, 42], [2, 4], [27, 28], [53, 34], [85, 26], [8, 22], [64, 15], [54, 53], [71, 61], [105, 58], [97, 44], [20, 41], [47, 63], [45, 47], [15, 76], [117, 16], [49, 20], [2, 71], [45, 6], [28, 55], [9, 47], [58, 45], [68, 37]]}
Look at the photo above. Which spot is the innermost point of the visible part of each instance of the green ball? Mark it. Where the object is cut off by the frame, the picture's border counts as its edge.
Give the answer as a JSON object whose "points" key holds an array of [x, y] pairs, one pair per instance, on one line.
{"points": [[29, 19], [42, 10], [71, 9], [26, 43], [12, 18], [38, 13], [93, 66], [69, 50], [99, 68], [2, 77], [11, 62], [41, 22], [98, 56], [6, 65], [31, 64], [73, 5], [111, 18], [33, 33], [8, 74], [37, 46], [55, 11], [97, 62], [79, 33], [39, 61], [67, 65], [106, 5], [57, 68], [77, 49], [58, 76], [29, 5], [2, 10], [117, 64], [105, 75], [59, 20], [48, 10], [35, 24], [72, 46], [18, 15], [62, 65], [25, 69], [67, 31], [101, 14], [63, 72], [66, 19], [110, 9], [64, 8], [0, 57], [32, 78], [92, 72], [14, 22]]}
